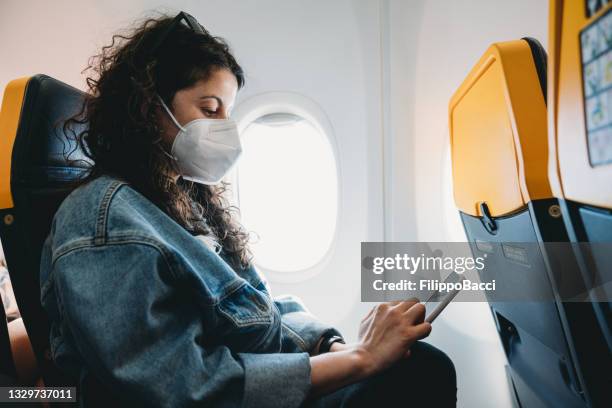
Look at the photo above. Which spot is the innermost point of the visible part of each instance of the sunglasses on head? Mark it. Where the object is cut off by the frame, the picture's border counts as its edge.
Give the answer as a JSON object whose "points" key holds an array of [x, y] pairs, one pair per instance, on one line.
{"points": [[180, 17]]}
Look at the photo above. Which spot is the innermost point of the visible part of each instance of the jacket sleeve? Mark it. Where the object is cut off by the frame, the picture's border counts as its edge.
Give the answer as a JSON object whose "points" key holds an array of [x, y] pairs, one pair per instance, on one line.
{"points": [[299, 325], [119, 312]]}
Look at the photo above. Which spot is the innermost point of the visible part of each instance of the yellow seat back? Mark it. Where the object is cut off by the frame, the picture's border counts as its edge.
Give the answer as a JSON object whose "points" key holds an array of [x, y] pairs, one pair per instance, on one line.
{"points": [[497, 121]]}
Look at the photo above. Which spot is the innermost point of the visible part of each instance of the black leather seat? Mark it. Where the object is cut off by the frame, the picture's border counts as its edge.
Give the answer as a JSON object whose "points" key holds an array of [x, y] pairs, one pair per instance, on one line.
{"points": [[39, 165]]}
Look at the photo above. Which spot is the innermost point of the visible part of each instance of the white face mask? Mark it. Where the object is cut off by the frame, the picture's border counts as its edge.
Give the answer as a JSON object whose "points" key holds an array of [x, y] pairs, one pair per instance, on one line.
{"points": [[205, 149]]}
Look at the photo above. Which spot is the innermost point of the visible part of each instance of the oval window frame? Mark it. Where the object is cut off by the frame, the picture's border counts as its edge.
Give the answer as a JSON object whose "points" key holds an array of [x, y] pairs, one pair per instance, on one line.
{"points": [[253, 108]]}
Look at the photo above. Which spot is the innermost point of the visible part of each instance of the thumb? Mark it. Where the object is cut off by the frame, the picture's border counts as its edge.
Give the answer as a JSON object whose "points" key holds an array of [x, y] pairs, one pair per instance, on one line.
{"points": [[422, 330]]}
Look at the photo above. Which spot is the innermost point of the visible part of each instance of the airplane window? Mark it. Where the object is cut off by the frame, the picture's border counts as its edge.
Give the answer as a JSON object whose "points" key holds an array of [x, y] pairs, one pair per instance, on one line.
{"points": [[287, 191]]}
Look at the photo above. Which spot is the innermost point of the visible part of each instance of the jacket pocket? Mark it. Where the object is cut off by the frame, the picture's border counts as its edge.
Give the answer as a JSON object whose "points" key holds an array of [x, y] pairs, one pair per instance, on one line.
{"points": [[246, 306]]}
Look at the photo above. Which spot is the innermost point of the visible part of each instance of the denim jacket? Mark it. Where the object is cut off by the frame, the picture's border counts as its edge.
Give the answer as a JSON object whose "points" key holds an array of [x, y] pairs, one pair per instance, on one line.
{"points": [[138, 302]]}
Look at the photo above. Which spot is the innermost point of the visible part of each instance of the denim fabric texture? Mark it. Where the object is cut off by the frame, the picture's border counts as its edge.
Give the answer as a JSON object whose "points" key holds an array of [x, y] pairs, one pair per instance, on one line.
{"points": [[149, 310]]}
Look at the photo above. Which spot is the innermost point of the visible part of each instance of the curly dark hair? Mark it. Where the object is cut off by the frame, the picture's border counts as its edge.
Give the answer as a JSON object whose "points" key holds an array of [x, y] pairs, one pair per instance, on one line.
{"points": [[122, 135]]}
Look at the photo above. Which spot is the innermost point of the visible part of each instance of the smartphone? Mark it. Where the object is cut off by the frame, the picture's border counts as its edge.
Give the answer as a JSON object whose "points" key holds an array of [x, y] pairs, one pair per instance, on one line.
{"points": [[446, 299]]}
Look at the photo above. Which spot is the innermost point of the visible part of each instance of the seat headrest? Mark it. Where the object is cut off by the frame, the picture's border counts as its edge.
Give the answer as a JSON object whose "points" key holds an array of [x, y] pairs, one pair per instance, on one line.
{"points": [[498, 131], [35, 150], [51, 155]]}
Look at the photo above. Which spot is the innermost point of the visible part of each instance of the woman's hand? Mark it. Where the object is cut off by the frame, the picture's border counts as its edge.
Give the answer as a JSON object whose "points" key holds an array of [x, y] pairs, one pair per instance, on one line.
{"points": [[388, 331], [385, 336]]}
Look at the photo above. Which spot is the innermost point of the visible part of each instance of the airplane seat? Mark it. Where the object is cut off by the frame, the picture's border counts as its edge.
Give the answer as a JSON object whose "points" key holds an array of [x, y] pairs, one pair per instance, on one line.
{"points": [[35, 176], [499, 150], [580, 168]]}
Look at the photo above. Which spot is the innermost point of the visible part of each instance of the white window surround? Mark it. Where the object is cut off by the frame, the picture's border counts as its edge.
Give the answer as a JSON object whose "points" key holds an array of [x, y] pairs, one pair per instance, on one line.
{"points": [[255, 107]]}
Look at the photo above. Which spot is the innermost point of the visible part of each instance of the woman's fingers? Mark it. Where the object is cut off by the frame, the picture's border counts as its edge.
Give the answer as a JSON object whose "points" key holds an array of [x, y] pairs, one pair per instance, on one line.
{"points": [[422, 330], [416, 313], [369, 314], [405, 304]]}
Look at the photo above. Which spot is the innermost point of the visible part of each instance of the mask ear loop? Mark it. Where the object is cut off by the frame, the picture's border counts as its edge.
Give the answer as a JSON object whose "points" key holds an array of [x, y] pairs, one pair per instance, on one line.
{"points": [[161, 147], [168, 154], [178, 125]]}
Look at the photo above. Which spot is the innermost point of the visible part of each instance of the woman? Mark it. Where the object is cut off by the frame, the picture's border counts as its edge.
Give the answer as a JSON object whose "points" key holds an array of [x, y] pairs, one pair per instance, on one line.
{"points": [[147, 277]]}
